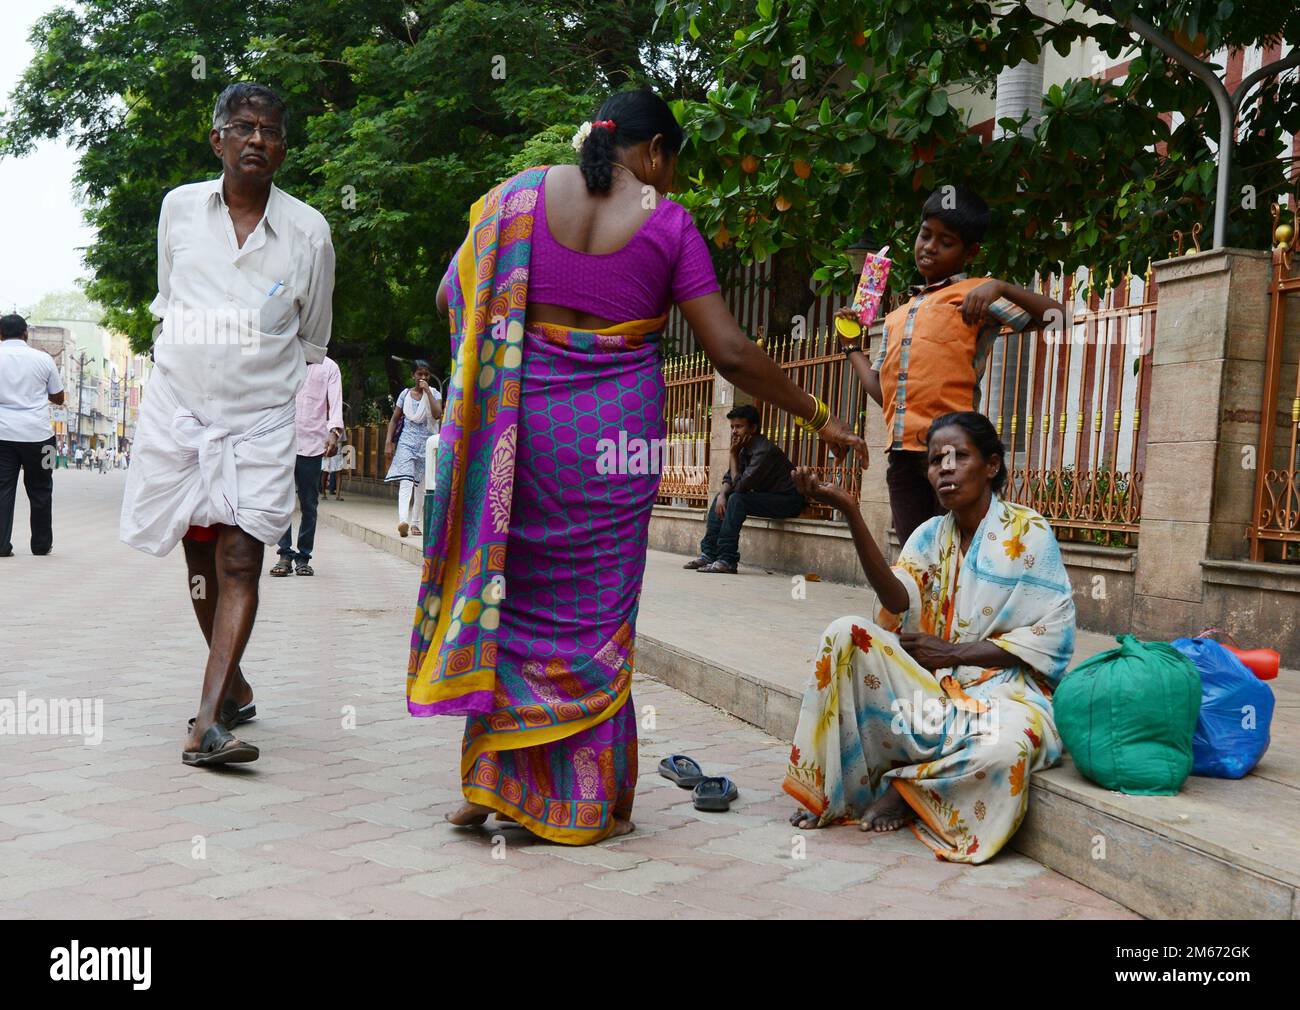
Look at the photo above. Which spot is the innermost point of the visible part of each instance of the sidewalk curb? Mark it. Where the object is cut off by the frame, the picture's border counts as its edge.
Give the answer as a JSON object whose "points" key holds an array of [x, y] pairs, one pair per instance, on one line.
{"points": [[411, 550]]}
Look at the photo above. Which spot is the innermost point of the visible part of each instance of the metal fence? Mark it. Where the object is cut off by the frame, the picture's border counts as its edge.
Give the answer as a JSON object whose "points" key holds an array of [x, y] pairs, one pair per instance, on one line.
{"points": [[1275, 526], [688, 380], [816, 365], [1069, 405]]}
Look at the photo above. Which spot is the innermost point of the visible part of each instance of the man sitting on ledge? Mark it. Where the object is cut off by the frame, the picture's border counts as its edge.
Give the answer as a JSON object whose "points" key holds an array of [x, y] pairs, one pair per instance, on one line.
{"points": [[757, 483]]}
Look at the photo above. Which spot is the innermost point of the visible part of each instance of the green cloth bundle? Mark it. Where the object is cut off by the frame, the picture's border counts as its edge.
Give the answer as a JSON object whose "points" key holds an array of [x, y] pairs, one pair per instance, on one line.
{"points": [[1127, 716]]}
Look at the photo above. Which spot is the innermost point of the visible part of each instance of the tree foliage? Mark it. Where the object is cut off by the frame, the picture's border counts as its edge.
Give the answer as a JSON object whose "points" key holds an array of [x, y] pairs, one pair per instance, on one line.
{"points": [[828, 119], [809, 121], [401, 114]]}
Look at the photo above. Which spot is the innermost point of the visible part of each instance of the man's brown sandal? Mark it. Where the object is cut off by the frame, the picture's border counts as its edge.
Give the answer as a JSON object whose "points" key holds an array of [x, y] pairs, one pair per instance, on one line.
{"points": [[220, 747]]}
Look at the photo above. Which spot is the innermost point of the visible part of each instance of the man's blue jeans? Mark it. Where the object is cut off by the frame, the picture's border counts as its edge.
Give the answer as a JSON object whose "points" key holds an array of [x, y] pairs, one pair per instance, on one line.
{"points": [[722, 536], [306, 475]]}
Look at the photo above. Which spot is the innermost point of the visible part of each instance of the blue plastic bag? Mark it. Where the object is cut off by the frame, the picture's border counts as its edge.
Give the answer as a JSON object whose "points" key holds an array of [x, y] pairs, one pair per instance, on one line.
{"points": [[1236, 711]]}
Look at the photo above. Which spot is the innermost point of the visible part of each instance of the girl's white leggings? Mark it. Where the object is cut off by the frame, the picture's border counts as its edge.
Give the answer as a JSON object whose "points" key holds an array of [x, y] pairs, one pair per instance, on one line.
{"points": [[408, 495]]}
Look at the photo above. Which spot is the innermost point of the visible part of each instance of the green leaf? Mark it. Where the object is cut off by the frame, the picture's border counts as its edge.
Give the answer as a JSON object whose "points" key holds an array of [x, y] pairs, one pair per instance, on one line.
{"points": [[937, 103], [824, 113], [712, 130]]}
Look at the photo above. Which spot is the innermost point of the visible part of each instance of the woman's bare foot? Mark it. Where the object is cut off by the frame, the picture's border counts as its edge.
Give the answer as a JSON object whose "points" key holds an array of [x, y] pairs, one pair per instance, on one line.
{"points": [[803, 819], [621, 828], [470, 815], [889, 813]]}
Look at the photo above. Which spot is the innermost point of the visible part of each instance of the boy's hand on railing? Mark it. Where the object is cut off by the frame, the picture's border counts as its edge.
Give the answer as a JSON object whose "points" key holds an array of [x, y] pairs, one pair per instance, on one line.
{"points": [[975, 306], [841, 438], [811, 486]]}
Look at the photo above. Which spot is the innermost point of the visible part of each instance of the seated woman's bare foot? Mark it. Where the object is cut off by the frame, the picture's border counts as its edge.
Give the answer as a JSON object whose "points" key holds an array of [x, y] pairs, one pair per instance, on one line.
{"points": [[889, 813], [622, 828], [470, 815], [803, 819]]}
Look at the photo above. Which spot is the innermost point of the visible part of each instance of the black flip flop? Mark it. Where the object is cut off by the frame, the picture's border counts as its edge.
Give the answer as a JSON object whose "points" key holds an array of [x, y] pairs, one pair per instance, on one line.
{"points": [[715, 793], [219, 747], [231, 716], [683, 770]]}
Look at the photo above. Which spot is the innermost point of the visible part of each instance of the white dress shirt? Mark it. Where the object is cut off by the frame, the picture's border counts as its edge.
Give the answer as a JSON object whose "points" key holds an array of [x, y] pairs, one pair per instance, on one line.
{"points": [[27, 378], [277, 290], [215, 442]]}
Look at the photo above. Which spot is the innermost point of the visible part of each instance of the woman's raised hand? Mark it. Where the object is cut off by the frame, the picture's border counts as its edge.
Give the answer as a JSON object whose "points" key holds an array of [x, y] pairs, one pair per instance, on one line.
{"points": [[839, 436], [812, 487]]}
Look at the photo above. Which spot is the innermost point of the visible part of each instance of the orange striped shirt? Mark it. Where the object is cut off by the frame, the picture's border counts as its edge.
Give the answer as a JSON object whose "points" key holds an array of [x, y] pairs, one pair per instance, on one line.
{"points": [[930, 359]]}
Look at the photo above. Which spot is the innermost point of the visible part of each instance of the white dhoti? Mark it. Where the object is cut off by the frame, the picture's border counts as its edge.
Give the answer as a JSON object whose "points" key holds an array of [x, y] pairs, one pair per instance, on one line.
{"points": [[187, 471]]}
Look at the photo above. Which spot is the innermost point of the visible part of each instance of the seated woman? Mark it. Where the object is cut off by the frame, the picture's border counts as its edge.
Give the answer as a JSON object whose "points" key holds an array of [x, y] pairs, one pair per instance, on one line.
{"points": [[947, 698]]}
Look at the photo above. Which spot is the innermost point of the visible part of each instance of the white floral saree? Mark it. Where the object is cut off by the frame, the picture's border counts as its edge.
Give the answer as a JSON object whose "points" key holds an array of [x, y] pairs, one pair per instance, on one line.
{"points": [[958, 744]]}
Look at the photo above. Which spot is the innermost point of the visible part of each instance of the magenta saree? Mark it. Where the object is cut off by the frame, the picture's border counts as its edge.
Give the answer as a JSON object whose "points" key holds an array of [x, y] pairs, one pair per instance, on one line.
{"points": [[533, 559]]}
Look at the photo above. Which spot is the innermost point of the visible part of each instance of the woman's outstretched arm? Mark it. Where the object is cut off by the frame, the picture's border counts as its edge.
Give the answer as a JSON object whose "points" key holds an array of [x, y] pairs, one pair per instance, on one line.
{"points": [[742, 362]]}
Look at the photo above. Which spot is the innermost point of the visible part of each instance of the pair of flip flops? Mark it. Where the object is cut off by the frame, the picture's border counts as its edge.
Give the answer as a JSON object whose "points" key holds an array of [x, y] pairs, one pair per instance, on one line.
{"points": [[708, 792]]}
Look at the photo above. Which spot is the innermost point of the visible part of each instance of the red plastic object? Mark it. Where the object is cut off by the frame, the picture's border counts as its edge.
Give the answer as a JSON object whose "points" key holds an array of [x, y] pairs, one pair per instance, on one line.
{"points": [[1263, 663]]}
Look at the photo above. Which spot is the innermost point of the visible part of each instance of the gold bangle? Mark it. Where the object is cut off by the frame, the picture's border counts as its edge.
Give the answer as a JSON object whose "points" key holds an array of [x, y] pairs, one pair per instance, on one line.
{"points": [[806, 423], [820, 417]]}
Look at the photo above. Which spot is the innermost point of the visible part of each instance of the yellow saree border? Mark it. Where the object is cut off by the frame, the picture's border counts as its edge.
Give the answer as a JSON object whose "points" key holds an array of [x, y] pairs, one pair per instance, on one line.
{"points": [[905, 789], [422, 691], [519, 739], [564, 836], [532, 738]]}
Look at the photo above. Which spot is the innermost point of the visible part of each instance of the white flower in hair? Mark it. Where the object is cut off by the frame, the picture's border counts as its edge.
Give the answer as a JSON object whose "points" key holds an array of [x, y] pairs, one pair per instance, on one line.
{"points": [[584, 131]]}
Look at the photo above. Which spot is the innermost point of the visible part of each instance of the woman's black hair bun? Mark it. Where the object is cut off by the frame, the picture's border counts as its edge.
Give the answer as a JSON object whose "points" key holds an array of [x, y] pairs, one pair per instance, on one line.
{"points": [[638, 115]]}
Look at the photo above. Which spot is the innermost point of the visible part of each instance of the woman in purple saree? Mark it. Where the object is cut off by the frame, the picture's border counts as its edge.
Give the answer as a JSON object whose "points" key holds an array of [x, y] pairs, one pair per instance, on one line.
{"points": [[534, 557]]}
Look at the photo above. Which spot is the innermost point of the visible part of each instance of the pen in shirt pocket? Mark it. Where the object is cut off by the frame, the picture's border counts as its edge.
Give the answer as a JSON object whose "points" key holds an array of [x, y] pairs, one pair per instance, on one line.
{"points": [[274, 288]]}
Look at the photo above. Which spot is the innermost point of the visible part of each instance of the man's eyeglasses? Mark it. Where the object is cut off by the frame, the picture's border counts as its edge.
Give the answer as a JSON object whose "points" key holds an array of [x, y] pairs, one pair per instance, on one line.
{"points": [[244, 129]]}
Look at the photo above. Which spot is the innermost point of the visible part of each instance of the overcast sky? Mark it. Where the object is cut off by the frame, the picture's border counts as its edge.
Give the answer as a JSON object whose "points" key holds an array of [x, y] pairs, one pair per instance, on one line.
{"points": [[42, 227]]}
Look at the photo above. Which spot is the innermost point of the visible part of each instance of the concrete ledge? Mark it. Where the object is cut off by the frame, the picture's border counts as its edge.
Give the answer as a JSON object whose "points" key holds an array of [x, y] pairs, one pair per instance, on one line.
{"points": [[1253, 575], [1146, 870], [1112, 559]]}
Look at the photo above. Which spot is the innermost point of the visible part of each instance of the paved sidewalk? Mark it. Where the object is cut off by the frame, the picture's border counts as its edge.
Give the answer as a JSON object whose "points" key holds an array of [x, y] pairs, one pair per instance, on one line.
{"points": [[345, 819]]}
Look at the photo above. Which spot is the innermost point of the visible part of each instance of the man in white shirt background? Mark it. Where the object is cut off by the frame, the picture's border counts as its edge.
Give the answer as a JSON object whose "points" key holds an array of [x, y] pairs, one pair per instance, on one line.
{"points": [[29, 383], [318, 413], [245, 286]]}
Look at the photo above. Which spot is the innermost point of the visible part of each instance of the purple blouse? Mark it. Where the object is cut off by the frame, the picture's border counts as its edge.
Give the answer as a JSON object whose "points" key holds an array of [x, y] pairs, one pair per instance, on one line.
{"points": [[666, 261]]}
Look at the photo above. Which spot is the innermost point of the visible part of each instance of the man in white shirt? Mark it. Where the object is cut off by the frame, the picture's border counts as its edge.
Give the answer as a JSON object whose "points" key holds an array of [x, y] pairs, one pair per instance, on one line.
{"points": [[245, 284], [29, 383], [318, 414]]}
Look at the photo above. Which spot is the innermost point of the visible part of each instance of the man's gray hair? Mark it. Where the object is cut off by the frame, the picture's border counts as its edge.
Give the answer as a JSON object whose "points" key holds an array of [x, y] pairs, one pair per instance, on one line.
{"points": [[236, 96]]}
